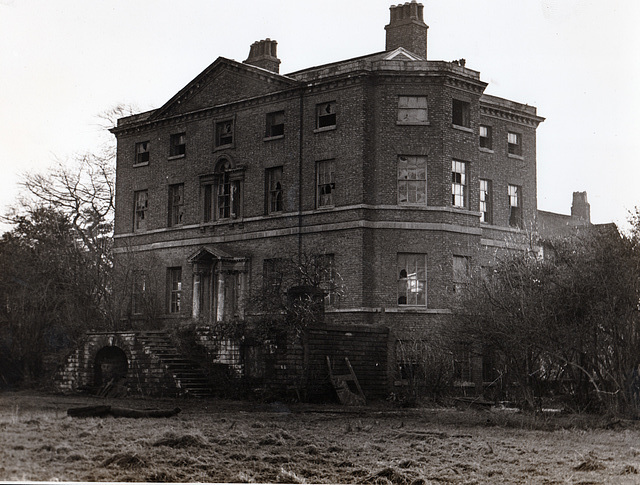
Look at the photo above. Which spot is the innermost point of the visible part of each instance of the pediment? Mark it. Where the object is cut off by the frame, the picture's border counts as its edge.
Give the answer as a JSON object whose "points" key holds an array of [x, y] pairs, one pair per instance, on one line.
{"points": [[225, 81], [401, 54]]}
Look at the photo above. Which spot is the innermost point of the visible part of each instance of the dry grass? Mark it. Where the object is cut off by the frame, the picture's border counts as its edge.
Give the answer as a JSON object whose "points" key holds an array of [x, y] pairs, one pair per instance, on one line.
{"points": [[222, 441]]}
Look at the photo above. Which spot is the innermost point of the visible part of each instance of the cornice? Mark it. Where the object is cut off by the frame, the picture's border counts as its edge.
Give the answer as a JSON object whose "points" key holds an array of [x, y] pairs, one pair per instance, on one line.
{"points": [[511, 115]]}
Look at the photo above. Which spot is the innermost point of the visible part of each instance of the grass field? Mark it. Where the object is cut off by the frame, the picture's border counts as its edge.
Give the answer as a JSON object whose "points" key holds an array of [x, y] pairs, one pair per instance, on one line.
{"points": [[228, 441]]}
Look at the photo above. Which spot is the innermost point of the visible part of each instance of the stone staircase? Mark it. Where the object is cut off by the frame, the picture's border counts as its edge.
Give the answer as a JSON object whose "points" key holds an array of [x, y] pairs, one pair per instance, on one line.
{"points": [[188, 375]]}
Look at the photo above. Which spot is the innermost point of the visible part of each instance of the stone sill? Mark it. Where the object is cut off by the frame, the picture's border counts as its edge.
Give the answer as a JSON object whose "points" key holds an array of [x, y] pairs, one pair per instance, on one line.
{"points": [[324, 128], [408, 123], [514, 156], [271, 138], [461, 128], [175, 157], [143, 164], [485, 150]]}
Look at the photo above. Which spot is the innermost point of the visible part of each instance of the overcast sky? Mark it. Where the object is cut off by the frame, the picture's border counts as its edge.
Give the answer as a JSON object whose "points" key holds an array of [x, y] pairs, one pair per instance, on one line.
{"points": [[62, 62]]}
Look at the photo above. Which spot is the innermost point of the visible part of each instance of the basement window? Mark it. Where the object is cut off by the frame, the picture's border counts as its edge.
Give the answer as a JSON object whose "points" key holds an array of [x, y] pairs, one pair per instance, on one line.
{"points": [[461, 113], [326, 115], [514, 143], [178, 145], [275, 124], [142, 153], [412, 110]]}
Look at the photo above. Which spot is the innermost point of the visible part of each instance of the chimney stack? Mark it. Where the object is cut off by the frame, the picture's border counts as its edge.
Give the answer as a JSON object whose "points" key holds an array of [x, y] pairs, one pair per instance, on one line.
{"points": [[580, 207], [263, 54], [407, 29]]}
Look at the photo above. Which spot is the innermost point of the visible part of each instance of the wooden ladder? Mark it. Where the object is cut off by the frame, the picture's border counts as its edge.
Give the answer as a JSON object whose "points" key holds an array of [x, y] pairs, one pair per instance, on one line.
{"points": [[341, 385]]}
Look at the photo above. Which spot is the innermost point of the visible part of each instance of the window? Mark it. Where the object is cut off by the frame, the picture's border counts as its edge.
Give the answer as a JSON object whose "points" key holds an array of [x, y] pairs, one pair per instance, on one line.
{"points": [[461, 113], [224, 133], [325, 265], [485, 201], [274, 190], [275, 124], [412, 110], [178, 145], [272, 276], [412, 180], [138, 292], [514, 143], [176, 204], [412, 279], [174, 287], [141, 205], [325, 184], [486, 140], [458, 183], [326, 115], [461, 273], [462, 363], [222, 192], [515, 206], [142, 152]]}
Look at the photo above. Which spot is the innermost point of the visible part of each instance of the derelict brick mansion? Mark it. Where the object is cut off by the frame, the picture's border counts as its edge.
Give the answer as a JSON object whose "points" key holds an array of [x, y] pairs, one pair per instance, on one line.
{"points": [[397, 169]]}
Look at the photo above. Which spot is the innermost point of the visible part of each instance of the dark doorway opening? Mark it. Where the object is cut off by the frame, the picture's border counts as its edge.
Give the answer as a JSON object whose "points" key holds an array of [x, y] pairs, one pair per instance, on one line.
{"points": [[110, 365]]}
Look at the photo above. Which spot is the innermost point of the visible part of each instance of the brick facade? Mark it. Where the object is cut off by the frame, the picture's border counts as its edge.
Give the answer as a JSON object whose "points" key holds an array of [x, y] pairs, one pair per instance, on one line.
{"points": [[364, 226]]}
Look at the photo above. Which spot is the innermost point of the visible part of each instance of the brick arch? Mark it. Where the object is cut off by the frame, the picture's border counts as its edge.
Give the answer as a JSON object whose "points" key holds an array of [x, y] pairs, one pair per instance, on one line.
{"points": [[98, 342], [110, 363]]}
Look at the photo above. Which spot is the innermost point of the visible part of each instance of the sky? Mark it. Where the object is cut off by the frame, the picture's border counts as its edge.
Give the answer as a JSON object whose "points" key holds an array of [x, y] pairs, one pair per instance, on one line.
{"points": [[63, 62]]}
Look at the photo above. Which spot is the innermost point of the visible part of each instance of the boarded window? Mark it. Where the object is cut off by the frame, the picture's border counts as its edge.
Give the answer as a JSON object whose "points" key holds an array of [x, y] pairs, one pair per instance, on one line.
{"points": [[412, 110]]}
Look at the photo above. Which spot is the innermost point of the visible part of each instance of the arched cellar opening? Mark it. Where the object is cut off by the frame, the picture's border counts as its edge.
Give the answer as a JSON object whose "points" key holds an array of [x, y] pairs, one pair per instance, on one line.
{"points": [[110, 364]]}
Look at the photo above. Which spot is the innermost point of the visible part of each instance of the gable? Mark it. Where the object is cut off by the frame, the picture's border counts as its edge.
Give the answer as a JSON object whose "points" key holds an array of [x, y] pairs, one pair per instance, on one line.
{"points": [[224, 81]]}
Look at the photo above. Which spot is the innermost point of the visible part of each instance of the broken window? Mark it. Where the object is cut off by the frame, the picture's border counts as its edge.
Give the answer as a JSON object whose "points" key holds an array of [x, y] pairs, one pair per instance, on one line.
{"points": [[141, 205], [325, 183], [514, 143], [174, 289], [486, 139], [461, 273], [458, 183], [142, 152], [515, 206], [326, 115], [461, 113], [275, 124], [412, 110], [485, 201], [222, 192], [412, 279], [412, 180], [178, 144], [224, 133], [275, 193], [176, 204], [138, 292]]}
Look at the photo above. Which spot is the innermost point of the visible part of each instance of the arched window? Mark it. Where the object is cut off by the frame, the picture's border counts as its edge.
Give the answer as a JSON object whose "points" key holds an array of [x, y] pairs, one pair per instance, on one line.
{"points": [[223, 192]]}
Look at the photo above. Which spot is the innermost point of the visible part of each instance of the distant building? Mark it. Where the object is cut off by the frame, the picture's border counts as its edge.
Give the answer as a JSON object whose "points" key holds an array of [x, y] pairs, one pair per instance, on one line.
{"points": [[397, 170]]}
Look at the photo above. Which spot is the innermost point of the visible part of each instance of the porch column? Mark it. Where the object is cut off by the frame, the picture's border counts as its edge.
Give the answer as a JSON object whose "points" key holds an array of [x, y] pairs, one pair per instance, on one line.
{"points": [[197, 290], [220, 306]]}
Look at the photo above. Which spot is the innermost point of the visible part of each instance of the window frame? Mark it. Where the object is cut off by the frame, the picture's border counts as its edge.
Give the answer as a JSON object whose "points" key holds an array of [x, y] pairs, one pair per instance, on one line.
{"points": [[175, 211], [413, 115], [410, 185], [325, 199], [224, 140], [142, 157], [140, 213], [274, 124], [485, 197], [459, 185], [327, 121], [274, 200], [225, 175], [514, 194], [174, 290], [138, 292], [406, 284], [485, 142], [514, 148], [178, 145], [460, 113], [461, 274]]}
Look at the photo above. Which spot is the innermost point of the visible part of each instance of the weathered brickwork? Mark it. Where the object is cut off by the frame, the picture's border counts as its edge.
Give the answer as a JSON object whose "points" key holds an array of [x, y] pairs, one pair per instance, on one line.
{"points": [[345, 116]]}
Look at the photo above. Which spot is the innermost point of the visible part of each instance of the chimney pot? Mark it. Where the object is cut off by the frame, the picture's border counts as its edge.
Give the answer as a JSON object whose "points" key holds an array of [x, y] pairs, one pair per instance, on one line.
{"points": [[407, 28], [262, 54]]}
